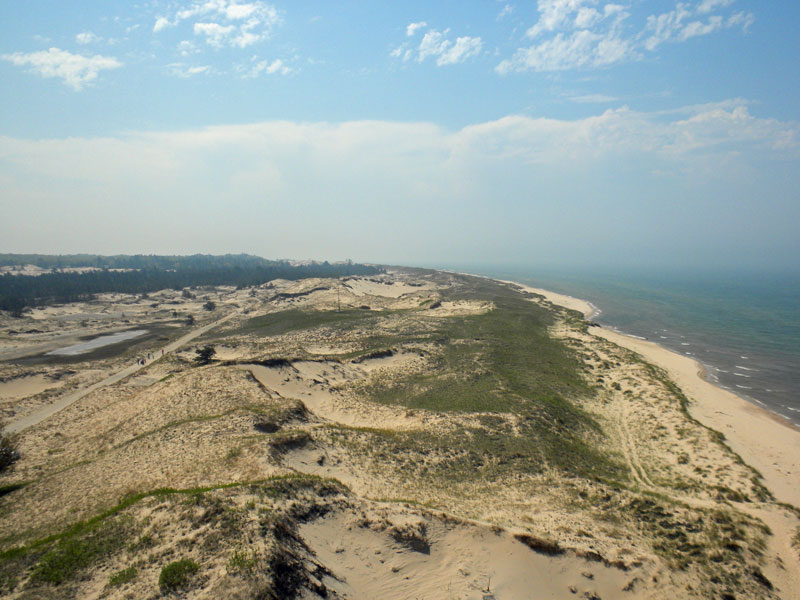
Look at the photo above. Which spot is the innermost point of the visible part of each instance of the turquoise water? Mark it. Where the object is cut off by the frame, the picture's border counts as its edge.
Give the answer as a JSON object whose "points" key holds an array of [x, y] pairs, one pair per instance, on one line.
{"points": [[744, 327]]}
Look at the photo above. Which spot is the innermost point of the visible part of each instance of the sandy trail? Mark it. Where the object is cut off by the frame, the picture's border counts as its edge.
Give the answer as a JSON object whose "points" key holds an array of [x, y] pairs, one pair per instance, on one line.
{"points": [[51, 409]]}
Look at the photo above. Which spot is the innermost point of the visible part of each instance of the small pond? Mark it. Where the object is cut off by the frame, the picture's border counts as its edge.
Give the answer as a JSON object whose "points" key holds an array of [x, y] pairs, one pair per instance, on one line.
{"points": [[98, 342]]}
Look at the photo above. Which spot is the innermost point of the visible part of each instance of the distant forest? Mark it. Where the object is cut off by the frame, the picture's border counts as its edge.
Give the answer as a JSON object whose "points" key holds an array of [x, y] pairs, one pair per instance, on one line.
{"points": [[151, 273]]}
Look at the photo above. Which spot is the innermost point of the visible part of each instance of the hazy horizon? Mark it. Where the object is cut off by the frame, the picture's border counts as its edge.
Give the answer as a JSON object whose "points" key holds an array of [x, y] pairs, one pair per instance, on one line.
{"points": [[574, 134]]}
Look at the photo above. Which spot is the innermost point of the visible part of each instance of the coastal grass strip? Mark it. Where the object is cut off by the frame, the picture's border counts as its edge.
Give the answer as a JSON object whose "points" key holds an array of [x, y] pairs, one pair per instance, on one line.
{"points": [[87, 525]]}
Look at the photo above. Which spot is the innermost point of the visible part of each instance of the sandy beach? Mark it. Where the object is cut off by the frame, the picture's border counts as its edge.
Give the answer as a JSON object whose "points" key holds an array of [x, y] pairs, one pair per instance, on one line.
{"points": [[763, 440]]}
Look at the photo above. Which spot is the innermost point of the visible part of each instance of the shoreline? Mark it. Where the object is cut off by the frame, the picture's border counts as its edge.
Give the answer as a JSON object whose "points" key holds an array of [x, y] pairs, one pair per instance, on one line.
{"points": [[763, 439]]}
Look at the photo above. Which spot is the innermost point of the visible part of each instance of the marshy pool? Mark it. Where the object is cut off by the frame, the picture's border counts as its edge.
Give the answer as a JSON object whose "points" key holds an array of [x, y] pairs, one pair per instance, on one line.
{"points": [[98, 342]]}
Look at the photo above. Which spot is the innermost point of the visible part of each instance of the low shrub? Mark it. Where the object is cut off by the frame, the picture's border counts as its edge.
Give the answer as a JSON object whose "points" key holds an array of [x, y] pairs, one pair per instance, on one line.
{"points": [[8, 451], [177, 574], [122, 577]]}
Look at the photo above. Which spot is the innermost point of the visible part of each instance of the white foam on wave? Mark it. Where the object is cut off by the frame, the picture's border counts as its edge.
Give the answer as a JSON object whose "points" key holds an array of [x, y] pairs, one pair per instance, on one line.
{"points": [[638, 337], [744, 387], [792, 408], [745, 368], [742, 375], [745, 357], [685, 344]]}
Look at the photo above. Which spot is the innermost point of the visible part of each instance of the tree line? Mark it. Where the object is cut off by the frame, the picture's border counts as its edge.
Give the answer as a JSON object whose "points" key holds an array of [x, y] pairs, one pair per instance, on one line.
{"points": [[151, 273], [137, 261]]}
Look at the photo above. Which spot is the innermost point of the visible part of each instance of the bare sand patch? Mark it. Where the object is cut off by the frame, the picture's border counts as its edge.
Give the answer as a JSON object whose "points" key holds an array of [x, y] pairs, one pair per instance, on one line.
{"points": [[385, 288], [24, 387], [389, 551]]}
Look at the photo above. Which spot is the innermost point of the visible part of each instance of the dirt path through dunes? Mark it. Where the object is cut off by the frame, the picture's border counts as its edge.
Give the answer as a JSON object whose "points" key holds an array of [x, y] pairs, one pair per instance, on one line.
{"points": [[51, 409]]}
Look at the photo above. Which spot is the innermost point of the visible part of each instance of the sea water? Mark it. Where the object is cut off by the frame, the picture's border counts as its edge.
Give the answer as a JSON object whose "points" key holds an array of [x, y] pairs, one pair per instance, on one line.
{"points": [[742, 326]]}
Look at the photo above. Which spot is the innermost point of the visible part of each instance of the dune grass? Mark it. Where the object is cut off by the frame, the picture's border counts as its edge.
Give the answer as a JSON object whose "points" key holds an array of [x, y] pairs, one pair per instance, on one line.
{"points": [[62, 557], [293, 319]]}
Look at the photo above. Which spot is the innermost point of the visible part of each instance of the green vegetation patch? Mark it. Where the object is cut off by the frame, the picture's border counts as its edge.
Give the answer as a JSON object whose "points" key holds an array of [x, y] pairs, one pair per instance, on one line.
{"points": [[284, 321], [79, 549], [725, 545], [122, 577], [176, 575], [61, 558], [501, 361], [485, 454]]}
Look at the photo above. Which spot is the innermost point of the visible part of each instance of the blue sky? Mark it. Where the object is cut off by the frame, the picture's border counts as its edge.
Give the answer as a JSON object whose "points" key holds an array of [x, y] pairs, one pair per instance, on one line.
{"points": [[558, 131]]}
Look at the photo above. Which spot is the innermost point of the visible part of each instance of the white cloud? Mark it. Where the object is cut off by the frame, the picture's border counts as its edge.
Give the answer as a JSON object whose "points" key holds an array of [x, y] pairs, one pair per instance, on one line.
{"points": [[665, 26], [581, 48], [573, 34], [74, 69], [507, 10], [533, 182], [226, 22], [676, 26], [187, 48], [587, 17], [265, 67], [706, 6], [554, 14], [594, 99], [412, 28], [696, 28], [436, 44], [186, 71], [433, 43], [162, 23], [214, 33], [87, 37], [744, 19], [463, 48]]}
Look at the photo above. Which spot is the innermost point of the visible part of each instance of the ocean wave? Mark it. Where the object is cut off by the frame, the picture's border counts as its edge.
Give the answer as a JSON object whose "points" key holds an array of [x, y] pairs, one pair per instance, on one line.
{"points": [[742, 375], [745, 368], [744, 387], [745, 357]]}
